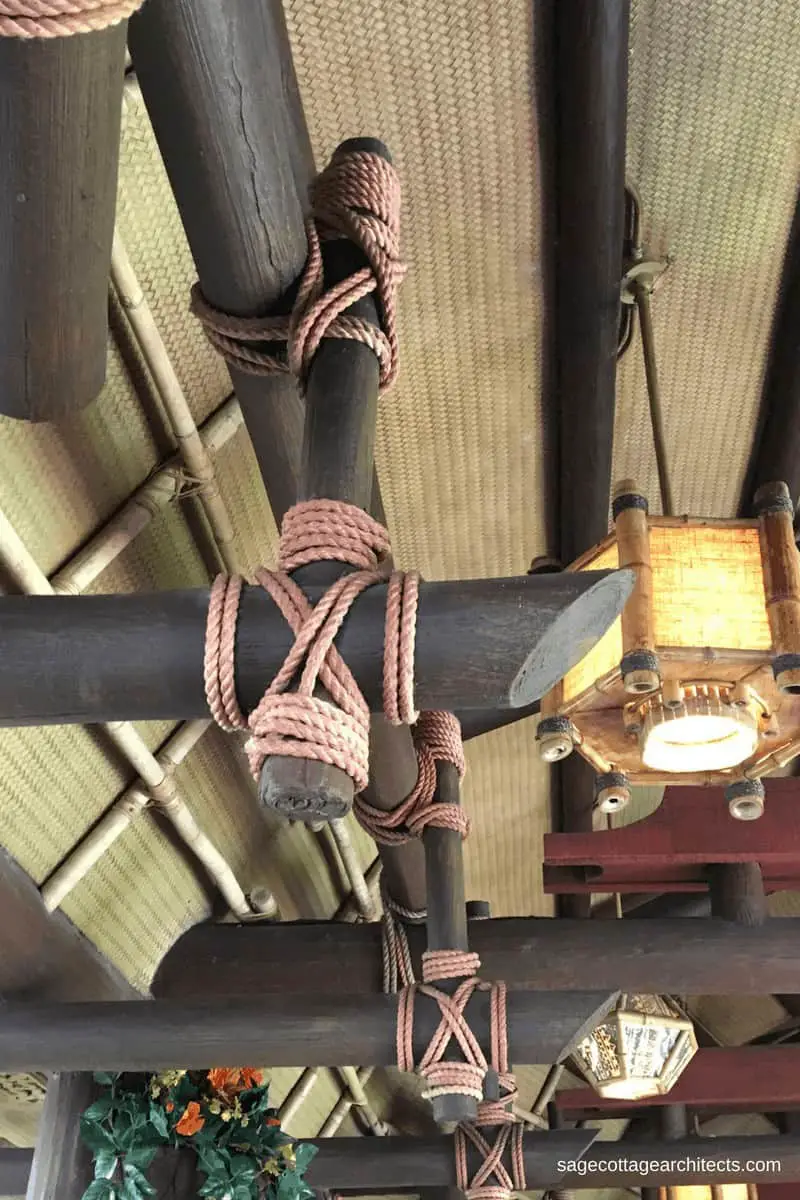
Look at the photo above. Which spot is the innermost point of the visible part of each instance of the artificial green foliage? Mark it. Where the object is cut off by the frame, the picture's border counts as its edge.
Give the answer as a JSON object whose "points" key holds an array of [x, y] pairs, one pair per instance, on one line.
{"points": [[223, 1115]]}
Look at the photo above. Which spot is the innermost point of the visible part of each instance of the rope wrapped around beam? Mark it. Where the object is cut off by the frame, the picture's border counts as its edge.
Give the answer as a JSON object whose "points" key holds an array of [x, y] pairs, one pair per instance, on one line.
{"points": [[62, 18], [357, 197], [298, 723]]}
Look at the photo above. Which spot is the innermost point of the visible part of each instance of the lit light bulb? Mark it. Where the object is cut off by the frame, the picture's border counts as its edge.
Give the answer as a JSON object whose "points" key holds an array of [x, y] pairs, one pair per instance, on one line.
{"points": [[701, 734]]}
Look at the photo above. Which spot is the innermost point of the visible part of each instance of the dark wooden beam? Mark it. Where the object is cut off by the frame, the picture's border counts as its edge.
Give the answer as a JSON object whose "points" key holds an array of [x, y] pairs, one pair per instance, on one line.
{"points": [[220, 89], [699, 957], [776, 450], [405, 1164], [60, 108], [140, 657], [15, 1167], [737, 893], [292, 1030], [42, 954], [728, 1079], [590, 81], [61, 1162]]}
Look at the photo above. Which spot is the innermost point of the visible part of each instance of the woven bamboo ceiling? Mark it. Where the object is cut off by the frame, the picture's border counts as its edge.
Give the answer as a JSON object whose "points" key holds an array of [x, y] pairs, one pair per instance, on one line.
{"points": [[713, 137]]}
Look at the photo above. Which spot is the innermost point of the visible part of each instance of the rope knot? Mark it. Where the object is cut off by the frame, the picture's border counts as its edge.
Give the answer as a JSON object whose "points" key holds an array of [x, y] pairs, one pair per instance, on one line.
{"points": [[61, 18], [492, 1180], [357, 197]]}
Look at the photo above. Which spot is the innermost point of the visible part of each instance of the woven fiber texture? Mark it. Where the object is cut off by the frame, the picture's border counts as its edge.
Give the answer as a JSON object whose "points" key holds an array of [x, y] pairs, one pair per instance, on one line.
{"points": [[713, 136]]}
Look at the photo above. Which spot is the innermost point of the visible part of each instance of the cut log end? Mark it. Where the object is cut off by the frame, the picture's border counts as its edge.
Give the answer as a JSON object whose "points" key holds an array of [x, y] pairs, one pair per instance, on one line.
{"points": [[450, 1110], [304, 790]]}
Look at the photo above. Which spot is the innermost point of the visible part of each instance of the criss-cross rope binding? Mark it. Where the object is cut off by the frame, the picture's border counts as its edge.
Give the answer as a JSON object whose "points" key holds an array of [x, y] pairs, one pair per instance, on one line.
{"points": [[492, 1180], [298, 723], [357, 197], [61, 18], [437, 738]]}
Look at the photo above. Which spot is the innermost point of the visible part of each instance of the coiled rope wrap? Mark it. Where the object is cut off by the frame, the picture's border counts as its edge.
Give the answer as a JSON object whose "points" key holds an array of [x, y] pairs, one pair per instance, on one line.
{"points": [[298, 723], [437, 738], [62, 18], [356, 197], [481, 1186]]}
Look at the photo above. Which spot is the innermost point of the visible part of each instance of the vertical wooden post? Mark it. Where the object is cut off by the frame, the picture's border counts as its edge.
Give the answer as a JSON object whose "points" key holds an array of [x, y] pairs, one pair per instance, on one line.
{"points": [[60, 109], [639, 665], [447, 918], [780, 564], [61, 1162], [737, 893]]}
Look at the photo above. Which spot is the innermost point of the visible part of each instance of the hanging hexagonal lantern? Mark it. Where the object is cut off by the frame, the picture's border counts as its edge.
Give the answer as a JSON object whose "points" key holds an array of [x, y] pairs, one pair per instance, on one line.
{"points": [[638, 1050], [698, 682]]}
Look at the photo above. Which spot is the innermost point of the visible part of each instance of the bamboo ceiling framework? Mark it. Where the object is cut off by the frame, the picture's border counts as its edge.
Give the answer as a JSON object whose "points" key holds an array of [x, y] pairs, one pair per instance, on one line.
{"points": [[337, 109]]}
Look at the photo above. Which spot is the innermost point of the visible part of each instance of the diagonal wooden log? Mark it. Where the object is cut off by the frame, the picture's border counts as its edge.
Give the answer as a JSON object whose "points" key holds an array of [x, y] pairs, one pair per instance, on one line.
{"points": [[42, 954], [220, 88], [292, 1030], [140, 657], [60, 103], [699, 957]]}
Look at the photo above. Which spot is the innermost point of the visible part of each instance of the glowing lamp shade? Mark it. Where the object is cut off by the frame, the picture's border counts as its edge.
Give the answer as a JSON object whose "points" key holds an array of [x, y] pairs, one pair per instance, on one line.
{"points": [[701, 734]]}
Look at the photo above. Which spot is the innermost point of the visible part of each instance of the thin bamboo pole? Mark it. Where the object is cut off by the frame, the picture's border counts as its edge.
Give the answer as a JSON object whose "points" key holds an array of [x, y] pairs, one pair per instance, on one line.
{"points": [[348, 909], [161, 489], [339, 833], [343, 1106], [298, 1095], [195, 456], [21, 564]]}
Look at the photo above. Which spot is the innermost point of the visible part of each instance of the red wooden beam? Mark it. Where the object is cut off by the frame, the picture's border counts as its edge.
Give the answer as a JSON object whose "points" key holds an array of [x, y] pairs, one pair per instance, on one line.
{"points": [[670, 850], [735, 1079]]}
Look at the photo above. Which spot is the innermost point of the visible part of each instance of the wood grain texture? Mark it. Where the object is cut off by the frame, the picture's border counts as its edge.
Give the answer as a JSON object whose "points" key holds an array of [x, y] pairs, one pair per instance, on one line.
{"points": [[42, 954], [700, 957], [737, 893], [15, 1167], [62, 1164], [481, 642], [293, 1030], [60, 106]]}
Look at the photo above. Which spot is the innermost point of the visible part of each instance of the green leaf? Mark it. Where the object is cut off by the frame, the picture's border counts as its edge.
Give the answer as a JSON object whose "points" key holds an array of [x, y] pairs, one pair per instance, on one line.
{"points": [[140, 1158], [105, 1078], [130, 1190], [303, 1154], [134, 1176], [244, 1167], [98, 1140], [104, 1165], [101, 1189], [213, 1186], [211, 1160], [158, 1119], [100, 1109], [243, 1191]]}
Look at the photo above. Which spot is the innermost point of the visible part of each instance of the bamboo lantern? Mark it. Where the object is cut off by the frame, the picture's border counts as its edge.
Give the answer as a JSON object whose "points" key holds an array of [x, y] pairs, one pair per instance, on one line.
{"points": [[709, 1191], [639, 1050], [698, 682]]}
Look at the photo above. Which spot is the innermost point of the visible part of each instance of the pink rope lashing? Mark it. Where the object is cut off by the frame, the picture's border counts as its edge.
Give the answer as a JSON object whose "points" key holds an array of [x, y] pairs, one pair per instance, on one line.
{"points": [[357, 196], [61, 18], [462, 1077], [437, 737], [492, 1180], [297, 723]]}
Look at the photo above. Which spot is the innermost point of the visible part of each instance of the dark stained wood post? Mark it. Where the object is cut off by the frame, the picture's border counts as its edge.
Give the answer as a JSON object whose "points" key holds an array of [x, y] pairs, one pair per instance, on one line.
{"points": [[62, 1164], [135, 656], [700, 957], [15, 1167], [220, 88], [60, 111], [338, 464], [737, 893], [590, 82], [292, 1030], [446, 924]]}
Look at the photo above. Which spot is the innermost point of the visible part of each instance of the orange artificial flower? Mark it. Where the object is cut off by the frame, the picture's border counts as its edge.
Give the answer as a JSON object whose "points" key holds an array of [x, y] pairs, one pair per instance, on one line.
{"points": [[272, 1120], [170, 1107], [191, 1122], [230, 1080], [251, 1077]]}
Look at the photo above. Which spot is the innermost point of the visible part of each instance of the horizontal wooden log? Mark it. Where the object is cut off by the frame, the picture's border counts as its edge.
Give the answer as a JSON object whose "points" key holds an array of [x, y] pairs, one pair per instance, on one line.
{"points": [[43, 954], [406, 1164], [140, 657], [60, 104], [290, 1031], [701, 957], [727, 1079]]}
